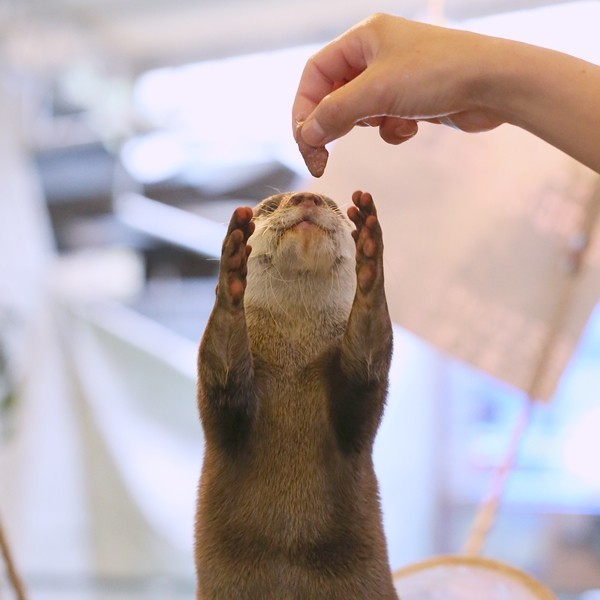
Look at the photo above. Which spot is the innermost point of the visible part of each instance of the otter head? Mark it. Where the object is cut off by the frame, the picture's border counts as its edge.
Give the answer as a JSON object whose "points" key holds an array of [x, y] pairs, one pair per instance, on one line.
{"points": [[302, 252]]}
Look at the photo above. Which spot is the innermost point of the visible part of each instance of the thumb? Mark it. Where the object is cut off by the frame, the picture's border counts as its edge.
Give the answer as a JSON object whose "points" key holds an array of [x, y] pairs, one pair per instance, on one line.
{"points": [[342, 109]]}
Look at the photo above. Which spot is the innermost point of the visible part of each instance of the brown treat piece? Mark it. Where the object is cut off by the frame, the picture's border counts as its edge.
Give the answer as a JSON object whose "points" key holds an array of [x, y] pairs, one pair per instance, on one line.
{"points": [[315, 157]]}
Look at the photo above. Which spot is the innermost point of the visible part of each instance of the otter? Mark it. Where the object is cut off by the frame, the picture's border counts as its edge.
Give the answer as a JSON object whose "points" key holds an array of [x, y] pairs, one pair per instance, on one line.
{"points": [[293, 375]]}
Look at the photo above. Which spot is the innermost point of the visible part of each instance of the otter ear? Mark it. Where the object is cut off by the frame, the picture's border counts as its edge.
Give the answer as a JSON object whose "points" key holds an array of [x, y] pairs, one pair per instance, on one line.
{"points": [[267, 206]]}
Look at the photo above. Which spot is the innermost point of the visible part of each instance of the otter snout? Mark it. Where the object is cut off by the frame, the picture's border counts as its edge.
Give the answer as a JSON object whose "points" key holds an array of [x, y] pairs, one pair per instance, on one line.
{"points": [[302, 242], [307, 199]]}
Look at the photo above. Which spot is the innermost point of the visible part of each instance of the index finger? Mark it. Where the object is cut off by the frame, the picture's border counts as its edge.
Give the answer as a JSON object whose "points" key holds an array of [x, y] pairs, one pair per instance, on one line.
{"points": [[334, 65]]}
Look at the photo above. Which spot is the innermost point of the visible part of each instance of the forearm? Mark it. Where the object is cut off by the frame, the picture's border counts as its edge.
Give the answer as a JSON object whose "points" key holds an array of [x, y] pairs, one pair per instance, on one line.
{"points": [[360, 379], [227, 400], [367, 344], [552, 95], [224, 352]]}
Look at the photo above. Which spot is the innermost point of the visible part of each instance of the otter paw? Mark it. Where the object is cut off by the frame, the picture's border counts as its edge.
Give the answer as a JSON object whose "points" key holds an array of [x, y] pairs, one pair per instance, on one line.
{"points": [[368, 239], [234, 258]]}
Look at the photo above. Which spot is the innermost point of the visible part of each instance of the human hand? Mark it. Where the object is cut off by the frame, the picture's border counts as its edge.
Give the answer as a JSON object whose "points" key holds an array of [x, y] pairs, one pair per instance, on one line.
{"points": [[390, 73]]}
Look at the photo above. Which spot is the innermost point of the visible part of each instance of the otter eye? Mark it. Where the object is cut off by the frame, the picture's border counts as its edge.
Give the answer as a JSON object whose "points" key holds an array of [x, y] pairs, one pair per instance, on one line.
{"points": [[268, 206]]}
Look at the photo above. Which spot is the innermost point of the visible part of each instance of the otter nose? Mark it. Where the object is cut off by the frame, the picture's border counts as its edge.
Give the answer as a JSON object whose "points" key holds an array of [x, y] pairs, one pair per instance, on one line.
{"points": [[306, 199]]}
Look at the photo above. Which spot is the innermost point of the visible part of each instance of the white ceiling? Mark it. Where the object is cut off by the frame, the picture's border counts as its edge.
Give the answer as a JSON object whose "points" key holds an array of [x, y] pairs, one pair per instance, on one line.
{"points": [[138, 34]]}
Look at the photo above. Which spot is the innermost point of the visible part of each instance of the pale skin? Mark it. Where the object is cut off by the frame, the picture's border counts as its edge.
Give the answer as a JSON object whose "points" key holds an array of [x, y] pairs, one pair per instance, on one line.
{"points": [[391, 73]]}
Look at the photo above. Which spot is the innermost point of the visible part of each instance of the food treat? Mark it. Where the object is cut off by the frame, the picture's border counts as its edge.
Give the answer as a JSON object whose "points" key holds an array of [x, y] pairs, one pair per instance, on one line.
{"points": [[315, 157]]}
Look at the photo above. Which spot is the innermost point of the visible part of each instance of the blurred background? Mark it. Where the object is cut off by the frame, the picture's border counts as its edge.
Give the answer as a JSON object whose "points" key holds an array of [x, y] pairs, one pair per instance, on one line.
{"points": [[129, 132]]}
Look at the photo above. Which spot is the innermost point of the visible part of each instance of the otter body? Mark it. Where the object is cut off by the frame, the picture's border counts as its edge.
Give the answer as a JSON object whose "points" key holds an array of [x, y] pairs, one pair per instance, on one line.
{"points": [[293, 369]]}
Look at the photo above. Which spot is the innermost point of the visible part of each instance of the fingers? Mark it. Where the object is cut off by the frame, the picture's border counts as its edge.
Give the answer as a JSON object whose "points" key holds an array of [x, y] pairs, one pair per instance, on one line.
{"points": [[329, 69], [368, 238], [364, 216], [340, 110], [471, 121], [363, 206], [242, 220], [344, 85], [234, 258], [395, 130], [328, 74], [235, 247], [389, 72], [369, 99]]}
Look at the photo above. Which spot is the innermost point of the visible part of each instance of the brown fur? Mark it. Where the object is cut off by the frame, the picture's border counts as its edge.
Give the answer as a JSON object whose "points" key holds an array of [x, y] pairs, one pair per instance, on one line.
{"points": [[293, 370]]}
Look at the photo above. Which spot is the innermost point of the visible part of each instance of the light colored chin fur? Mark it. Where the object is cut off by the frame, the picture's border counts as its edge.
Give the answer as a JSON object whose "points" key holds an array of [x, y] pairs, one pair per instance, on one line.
{"points": [[309, 272]]}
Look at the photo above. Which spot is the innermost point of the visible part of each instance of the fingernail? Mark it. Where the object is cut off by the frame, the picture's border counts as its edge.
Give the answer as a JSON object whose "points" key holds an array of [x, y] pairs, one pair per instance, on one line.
{"points": [[402, 133], [312, 133]]}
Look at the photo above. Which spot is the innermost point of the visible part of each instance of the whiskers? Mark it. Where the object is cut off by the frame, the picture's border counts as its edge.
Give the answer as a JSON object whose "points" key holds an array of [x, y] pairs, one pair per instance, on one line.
{"points": [[342, 208], [274, 189]]}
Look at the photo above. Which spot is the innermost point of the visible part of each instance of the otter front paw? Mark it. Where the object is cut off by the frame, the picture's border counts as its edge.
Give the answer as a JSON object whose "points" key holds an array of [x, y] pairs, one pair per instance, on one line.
{"points": [[234, 258], [369, 242]]}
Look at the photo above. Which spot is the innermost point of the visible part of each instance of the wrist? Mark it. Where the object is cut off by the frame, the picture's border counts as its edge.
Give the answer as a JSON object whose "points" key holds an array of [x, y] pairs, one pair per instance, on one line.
{"points": [[499, 86]]}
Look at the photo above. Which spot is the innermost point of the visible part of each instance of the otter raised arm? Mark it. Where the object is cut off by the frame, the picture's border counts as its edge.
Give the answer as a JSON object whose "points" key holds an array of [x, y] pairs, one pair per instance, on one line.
{"points": [[226, 373], [361, 374], [293, 370]]}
